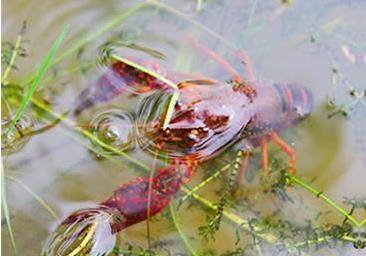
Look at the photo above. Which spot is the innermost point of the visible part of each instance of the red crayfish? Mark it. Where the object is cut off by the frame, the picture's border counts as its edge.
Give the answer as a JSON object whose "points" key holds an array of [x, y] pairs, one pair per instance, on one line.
{"points": [[208, 117]]}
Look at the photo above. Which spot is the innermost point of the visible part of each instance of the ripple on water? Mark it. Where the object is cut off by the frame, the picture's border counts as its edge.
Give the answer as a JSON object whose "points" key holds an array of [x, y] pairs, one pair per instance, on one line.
{"points": [[114, 127], [15, 139]]}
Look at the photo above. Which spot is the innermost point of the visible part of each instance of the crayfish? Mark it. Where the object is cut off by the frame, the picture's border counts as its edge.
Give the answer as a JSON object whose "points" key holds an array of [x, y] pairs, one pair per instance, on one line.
{"points": [[207, 118]]}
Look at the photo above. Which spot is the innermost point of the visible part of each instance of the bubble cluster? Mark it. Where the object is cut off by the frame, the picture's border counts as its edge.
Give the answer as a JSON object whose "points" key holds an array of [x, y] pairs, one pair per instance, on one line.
{"points": [[14, 139], [115, 128]]}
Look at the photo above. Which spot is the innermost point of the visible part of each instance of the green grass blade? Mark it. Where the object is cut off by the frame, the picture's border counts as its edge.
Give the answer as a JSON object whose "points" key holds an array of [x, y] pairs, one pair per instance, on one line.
{"points": [[41, 71], [170, 110], [145, 70], [6, 209]]}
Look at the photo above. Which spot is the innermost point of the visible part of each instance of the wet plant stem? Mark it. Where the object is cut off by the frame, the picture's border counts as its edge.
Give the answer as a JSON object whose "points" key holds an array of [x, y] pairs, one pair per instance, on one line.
{"points": [[39, 200], [319, 194], [5, 207], [205, 182], [144, 70], [173, 213], [323, 239], [12, 59]]}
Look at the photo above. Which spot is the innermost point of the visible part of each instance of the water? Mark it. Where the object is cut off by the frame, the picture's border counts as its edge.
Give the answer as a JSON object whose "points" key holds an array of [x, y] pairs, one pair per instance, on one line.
{"points": [[320, 44]]}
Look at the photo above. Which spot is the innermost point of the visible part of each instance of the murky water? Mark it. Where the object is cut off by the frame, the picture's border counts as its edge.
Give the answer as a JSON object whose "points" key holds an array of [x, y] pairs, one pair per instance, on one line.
{"points": [[320, 44]]}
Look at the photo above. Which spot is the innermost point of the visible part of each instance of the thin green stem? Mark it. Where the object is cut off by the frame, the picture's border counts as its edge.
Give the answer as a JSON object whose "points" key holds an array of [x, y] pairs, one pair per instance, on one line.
{"points": [[12, 59], [324, 239], [234, 218], [40, 200], [173, 213], [145, 70], [205, 182], [322, 196], [6, 208], [363, 222]]}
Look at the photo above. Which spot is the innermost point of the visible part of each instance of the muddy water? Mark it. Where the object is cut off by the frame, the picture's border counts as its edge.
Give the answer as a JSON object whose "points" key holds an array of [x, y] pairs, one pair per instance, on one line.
{"points": [[321, 44]]}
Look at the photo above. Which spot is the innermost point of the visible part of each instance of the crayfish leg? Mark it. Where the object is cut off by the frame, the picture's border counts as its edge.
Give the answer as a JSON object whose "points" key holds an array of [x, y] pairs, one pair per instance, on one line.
{"points": [[263, 142], [245, 59], [286, 148], [264, 156], [216, 57]]}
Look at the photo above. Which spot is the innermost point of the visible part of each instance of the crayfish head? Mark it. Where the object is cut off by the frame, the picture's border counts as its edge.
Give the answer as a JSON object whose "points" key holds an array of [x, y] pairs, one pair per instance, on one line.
{"points": [[85, 232]]}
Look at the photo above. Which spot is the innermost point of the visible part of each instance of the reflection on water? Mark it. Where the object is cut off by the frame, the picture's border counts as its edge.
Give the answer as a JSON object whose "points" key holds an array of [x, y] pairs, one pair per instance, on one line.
{"points": [[321, 44]]}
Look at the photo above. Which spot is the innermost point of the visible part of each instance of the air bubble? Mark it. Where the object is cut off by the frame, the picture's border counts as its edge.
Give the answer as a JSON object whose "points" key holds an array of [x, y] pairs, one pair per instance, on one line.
{"points": [[16, 138], [115, 128]]}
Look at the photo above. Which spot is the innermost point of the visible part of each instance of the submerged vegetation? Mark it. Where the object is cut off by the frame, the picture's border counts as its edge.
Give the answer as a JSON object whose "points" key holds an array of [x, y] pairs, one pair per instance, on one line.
{"points": [[275, 214]]}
